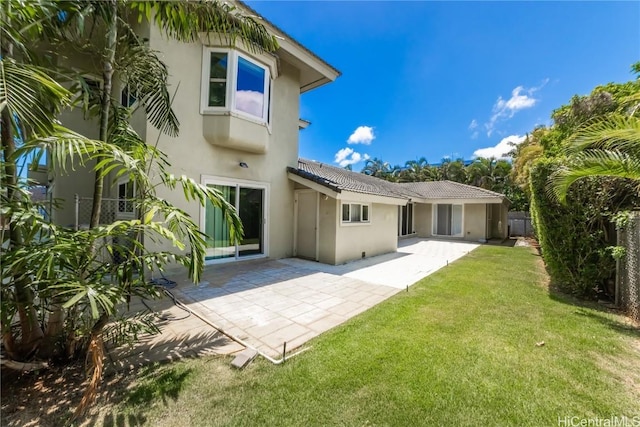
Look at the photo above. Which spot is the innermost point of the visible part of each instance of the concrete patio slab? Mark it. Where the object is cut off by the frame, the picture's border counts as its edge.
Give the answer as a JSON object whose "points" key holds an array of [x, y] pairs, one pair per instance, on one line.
{"points": [[266, 303]]}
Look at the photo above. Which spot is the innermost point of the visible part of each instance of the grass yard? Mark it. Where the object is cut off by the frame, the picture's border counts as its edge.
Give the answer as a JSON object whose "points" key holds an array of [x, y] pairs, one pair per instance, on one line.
{"points": [[458, 349]]}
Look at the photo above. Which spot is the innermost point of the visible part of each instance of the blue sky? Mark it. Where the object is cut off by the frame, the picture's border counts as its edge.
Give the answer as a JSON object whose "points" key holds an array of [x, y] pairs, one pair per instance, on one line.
{"points": [[438, 79]]}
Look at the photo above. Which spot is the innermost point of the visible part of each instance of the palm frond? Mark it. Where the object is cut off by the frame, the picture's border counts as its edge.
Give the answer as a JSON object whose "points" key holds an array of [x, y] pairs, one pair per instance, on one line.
{"points": [[31, 96], [593, 163], [186, 20], [146, 75], [613, 132]]}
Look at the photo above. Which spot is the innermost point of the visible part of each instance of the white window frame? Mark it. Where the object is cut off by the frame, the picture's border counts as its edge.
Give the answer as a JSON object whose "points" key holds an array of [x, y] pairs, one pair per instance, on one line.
{"points": [[434, 220], [351, 205], [125, 214], [126, 89], [266, 187], [231, 86]]}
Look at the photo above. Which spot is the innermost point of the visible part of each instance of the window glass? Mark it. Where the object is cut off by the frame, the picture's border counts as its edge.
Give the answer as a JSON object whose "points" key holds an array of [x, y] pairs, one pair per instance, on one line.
{"points": [[125, 196], [365, 213], [456, 220], [218, 79], [345, 212], [127, 97], [250, 96], [219, 244], [355, 213]]}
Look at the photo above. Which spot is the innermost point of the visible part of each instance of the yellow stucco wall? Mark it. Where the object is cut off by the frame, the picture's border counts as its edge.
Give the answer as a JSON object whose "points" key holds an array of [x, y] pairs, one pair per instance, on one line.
{"points": [[475, 221], [328, 221], [422, 212], [375, 238], [192, 155]]}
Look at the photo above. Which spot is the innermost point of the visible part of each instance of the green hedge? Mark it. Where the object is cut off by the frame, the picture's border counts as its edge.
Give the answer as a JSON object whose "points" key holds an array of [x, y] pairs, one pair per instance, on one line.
{"points": [[574, 237]]}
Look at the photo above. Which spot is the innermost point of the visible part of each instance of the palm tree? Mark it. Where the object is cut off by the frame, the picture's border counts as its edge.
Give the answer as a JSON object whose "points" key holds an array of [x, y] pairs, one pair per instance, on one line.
{"points": [[64, 271], [415, 170], [479, 171], [606, 147], [376, 167]]}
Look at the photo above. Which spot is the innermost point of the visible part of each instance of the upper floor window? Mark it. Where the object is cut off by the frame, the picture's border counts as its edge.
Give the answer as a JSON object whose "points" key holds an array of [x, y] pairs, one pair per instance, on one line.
{"points": [[234, 82]]}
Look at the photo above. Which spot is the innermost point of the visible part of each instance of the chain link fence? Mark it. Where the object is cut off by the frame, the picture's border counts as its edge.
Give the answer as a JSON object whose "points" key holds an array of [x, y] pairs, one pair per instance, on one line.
{"points": [[112, 210], [628, 274]]}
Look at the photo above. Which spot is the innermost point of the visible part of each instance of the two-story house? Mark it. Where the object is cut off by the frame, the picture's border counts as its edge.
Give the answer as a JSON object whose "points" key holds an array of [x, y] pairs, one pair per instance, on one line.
{"points": [[239, 116]]}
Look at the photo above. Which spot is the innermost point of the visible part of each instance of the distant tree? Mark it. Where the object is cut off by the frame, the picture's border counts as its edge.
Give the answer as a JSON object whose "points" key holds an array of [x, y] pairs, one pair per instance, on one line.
{"points": [[377, 167]]}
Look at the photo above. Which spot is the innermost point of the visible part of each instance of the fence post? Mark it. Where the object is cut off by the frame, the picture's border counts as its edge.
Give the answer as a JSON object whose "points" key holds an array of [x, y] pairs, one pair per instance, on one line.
{"points": [[77, 212]]}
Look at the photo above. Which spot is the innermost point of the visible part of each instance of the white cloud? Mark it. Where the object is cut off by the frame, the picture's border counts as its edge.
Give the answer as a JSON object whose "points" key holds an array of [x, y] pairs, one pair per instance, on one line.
{"points": [[502, 148], [250, 102], [473, 124], [521, 98], [347, 156], [362, 135]]}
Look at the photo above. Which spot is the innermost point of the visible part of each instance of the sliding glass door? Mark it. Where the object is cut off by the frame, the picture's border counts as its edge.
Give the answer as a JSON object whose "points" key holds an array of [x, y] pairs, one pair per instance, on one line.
{"points": [[447, 220], [405, 219], [249, 202]]}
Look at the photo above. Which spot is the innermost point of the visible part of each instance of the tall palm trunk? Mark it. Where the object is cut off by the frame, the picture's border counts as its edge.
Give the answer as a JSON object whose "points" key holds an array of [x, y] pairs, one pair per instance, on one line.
{"points": [[29, 326], [107, 82]]}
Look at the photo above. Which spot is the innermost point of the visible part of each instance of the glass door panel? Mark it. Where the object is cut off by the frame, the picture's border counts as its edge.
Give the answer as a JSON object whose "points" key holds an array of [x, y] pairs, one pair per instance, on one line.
{"points": [[456, 220], [216, 228], [249, 203], [443, 227], [251, 211]]}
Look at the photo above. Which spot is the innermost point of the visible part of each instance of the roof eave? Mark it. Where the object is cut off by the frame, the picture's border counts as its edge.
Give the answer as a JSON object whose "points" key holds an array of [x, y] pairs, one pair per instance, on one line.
{"points": [[460, 200], [314, 71]]}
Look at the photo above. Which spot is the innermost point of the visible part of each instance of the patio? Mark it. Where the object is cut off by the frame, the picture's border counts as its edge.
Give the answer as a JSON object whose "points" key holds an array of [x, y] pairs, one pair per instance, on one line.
{"points": [[266, 303]]}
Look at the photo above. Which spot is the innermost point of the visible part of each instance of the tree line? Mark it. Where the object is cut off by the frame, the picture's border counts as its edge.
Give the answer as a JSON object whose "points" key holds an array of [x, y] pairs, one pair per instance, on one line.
{"points": [[488, 173]]}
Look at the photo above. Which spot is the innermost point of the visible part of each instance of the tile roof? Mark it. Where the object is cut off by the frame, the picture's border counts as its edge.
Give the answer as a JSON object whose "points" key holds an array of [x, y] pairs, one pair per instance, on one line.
{"points": [[339, 179], [448, 190]]}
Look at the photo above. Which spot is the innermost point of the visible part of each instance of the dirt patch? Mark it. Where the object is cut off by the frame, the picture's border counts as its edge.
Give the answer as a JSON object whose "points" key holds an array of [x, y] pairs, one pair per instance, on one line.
{"points": [[49, 398], [45, 398], [625, 370]]}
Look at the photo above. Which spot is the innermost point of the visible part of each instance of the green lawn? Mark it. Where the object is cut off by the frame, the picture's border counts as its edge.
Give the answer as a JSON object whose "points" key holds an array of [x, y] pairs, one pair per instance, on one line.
{"points": [[458, 349]]}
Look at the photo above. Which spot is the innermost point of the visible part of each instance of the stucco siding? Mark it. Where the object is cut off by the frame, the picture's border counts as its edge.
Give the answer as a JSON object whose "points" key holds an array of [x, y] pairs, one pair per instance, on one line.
{"points": [[327, 235], [375, 238], [423, 219], [475, 220], [192, 155]]}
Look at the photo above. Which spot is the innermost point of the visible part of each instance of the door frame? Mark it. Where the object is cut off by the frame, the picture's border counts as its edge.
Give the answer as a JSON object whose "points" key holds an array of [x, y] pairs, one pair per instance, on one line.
{"points": [[434, 220], [265, 186], [411, 229], [296, 193]]}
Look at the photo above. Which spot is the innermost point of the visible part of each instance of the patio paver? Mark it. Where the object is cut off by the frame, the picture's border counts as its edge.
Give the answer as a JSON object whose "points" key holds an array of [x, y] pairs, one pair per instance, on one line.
{"points": [[266, 303]]}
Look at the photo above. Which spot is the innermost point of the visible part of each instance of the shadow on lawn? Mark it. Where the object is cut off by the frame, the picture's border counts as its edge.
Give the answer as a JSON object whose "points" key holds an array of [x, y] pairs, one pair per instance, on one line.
{"points": [[597, 311], [618, 326], [48, 398], [158, 382], [592, 309]]}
